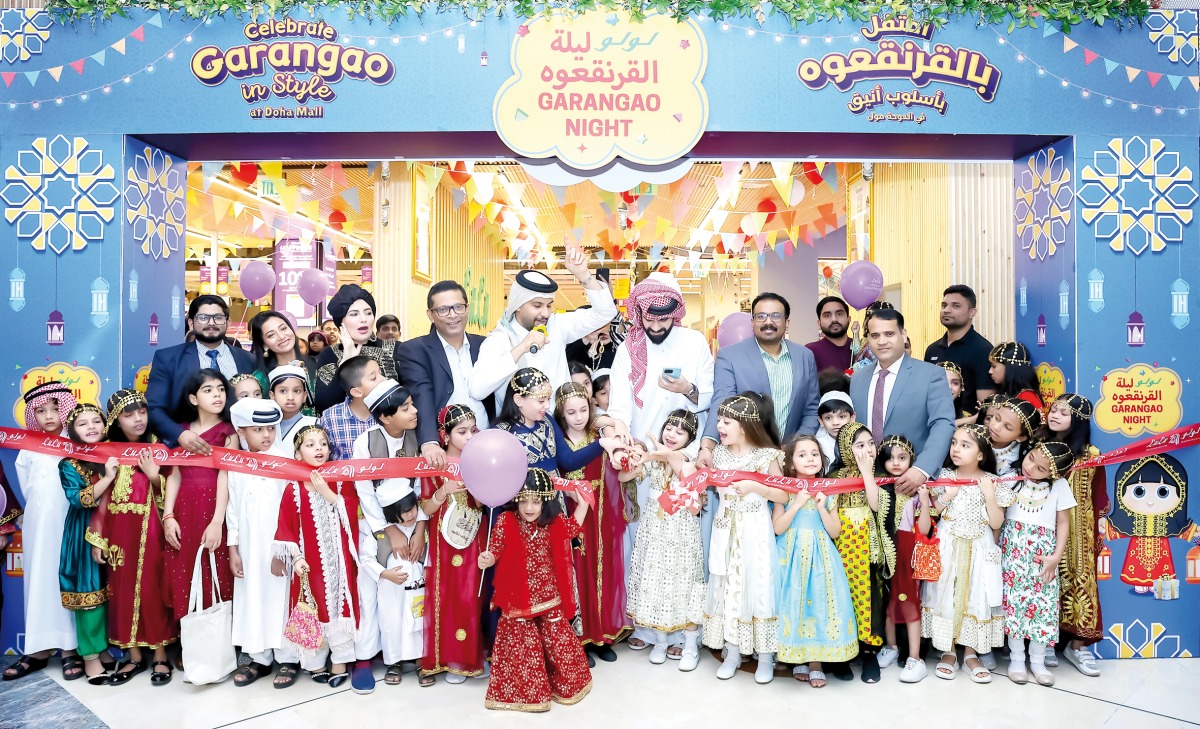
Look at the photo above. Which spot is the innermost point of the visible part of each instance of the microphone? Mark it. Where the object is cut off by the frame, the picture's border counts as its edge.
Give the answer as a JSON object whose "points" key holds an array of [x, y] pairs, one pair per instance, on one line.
{"points": [[540, 329]]}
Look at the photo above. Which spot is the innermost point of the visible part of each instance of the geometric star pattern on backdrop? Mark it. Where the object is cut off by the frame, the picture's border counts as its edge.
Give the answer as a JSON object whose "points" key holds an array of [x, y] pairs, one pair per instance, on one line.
{"points": [[1137, 195], [1175, 34], [155, 202], [1043, 204], [1136, 640], [22, 33], [60, 194]]}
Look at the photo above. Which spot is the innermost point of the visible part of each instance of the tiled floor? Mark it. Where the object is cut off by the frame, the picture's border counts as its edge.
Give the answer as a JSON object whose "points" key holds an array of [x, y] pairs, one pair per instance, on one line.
{"points": [[1130, 694]]}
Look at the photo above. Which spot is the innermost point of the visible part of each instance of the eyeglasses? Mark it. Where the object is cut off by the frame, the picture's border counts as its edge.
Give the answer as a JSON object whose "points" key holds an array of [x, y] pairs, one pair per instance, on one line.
{"points": [[211, 318], [773, 316], [447, 310]]}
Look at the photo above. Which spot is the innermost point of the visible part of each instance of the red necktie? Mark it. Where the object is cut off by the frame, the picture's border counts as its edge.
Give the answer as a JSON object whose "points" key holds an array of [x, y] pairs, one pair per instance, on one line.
{"points": [[877, 407]]}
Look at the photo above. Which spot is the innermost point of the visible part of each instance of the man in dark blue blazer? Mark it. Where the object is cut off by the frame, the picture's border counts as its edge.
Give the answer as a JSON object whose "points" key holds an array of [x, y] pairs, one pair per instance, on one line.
{"points": [[436, 368], [913, 398], [770, 365], [208, 318]]}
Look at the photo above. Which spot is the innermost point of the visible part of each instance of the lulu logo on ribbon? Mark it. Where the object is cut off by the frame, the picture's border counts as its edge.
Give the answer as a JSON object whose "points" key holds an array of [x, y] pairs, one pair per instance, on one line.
{"points": [[305, 59], [1139, 399], [897, 58], [594, 87]]}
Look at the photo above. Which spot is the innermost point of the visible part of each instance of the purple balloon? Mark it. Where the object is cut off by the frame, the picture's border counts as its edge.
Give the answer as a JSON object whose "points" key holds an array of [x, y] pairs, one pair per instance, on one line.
{"points": [[862, 283], [313, 286], [256, 280], [736, 327], [493, 466], [291, 319]]}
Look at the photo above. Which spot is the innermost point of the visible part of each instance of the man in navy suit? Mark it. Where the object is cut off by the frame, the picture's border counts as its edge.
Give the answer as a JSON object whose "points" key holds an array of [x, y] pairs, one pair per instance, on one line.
{"points": [[899, 395], [437, 367], [208, 318], [768, 364]]}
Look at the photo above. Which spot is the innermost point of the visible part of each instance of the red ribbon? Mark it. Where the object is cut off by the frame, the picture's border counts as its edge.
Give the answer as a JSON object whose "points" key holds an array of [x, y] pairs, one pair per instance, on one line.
{"points": [[260, 464]]}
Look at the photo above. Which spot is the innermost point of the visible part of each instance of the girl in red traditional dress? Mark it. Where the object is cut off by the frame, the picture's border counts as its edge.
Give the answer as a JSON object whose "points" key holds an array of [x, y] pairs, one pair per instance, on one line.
{"points": [[600, 564], [1151, 508], [138, 617], [537, 657], [453, 631], [194, 508], [318, 526]]}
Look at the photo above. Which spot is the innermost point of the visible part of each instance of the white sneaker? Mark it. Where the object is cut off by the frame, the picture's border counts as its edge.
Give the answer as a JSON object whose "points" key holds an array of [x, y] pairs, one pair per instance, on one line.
{"points": [[888, 655], [1051, 658], [455, 678], [989, 660], [914, 670], [1083, 659], [729, 666], [690, 658], [765, 673], [658, 654]]}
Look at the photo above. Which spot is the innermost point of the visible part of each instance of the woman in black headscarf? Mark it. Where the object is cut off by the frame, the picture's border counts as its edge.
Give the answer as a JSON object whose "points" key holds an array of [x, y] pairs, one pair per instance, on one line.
{"points": [[352, 309]]}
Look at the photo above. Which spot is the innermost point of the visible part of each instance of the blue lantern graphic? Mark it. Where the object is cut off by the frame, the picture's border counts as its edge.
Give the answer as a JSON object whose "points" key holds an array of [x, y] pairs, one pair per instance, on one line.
{"points": [[1096, 290], [175, 307], [1064, 304], [16, 289], [99, 302], [1179, 303], [1024, 300], [133, 290]]}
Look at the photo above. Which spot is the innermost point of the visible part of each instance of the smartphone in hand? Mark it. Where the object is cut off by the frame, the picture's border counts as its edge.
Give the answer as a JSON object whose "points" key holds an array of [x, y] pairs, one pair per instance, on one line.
{"points": [[672, 373]]}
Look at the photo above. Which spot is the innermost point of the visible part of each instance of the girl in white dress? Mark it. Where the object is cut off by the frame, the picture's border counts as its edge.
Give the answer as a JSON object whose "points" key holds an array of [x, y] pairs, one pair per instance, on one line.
{"points": [[666, 577], [260, 598], [48, 625], [739, 610], [964, 606], [401, 582]]}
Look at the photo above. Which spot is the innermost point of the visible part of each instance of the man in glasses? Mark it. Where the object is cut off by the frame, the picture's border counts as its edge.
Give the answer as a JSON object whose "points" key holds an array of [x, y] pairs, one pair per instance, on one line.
{"points": [[208, 319], [437, 367], [771, 365]]}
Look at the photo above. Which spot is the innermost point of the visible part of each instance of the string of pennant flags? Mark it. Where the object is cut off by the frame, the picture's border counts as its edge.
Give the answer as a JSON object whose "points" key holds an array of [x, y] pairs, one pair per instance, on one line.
{"points": [[78, 65], [1110, 65]]}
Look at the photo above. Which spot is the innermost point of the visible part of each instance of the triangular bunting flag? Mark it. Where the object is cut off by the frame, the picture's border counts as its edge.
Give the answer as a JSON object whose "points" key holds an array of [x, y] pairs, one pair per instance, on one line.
{"points": [[783, 186], [1174, 80], [220, 207], [1154, 78], [78, 65], [372, 168], [1069, 45], [458, 196], [334, 172], [350, 195], [492, 211], [1110, 66], [273, 171], [55, 72], [238, 208], [139, 33], [119, 46], [1132, 73], [8, 77], [98, 57], [718, 219], [209, 172], [560, 194], [517, 191], [1048, 29], [311, 209], [568, 212], [433, 176], [1088, 56], [1195, 82], [155, 20], [830, 176], [288, 198]]}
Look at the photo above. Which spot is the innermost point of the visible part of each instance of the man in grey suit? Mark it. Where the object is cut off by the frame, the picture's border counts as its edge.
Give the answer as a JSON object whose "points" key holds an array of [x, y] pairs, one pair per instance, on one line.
{"points": [[899, 395], [770, 365]]}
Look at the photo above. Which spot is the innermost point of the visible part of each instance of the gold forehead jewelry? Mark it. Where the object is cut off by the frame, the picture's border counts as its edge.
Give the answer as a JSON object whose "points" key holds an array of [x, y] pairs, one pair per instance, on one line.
{"points": [[1077, 404], [1044, 447], [898, 440], [536, 380], [688, 424], [570, 390], [542, 488], [740, 408], [1010, 353], [1026, 421], [132, 397]]}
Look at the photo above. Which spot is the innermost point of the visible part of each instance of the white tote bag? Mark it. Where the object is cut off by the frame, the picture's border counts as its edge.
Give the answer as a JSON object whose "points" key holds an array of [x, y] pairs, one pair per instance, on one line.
{"points": [[206, 636]]}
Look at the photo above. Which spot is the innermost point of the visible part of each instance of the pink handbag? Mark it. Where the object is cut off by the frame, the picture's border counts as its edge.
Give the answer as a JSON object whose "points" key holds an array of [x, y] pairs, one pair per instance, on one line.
{"points": [[303, 625]]}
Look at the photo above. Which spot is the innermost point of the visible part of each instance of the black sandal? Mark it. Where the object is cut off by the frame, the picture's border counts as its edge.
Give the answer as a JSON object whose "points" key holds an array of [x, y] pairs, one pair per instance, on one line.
{"points": [[122, 677], [250, 673], [161, 678], [394, 675], [337, 679], [321, 676], [288, 672], [426, 680], [72, 668], [24, 666]]}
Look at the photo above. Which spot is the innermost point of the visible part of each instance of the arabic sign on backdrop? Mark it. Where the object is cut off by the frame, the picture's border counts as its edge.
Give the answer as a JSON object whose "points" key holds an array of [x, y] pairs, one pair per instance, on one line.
{"points": [[83, 382], [595, 87], [1139, 399], [315, 51], [1051, 382], [910, 59]]}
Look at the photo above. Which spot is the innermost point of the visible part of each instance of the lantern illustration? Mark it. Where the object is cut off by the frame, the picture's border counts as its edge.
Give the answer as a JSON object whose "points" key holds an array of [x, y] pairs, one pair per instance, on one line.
{"points": [[1193, 565], [56, 329], [1096, 290], [16, 289], [15, 564], [175, 308], [1064, 304], [483, 59], [154, 330], [1135, 330], [1041, 330], [133, 290], [1102, 563], [1179, 303], [99, 302], [1024, 301]]}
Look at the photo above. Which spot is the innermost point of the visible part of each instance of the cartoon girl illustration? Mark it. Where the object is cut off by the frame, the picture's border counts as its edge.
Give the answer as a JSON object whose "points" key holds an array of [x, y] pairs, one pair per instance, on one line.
{"points": [[1150, 508]]}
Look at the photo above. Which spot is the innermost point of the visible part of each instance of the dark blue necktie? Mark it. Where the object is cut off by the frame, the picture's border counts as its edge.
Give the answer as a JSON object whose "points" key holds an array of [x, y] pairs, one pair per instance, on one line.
{"points": [[212, 356]]}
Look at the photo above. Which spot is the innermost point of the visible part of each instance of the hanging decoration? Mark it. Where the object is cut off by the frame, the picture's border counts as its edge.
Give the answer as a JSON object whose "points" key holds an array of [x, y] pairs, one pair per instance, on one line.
{"points": [[1023, 296], [16, 289], [56, 329], [1096, 290], [100, 290], [1041, 330], [1179, 303], [337, 219], [244, 172], [133, 290], [153, 330], [1064, 304]]}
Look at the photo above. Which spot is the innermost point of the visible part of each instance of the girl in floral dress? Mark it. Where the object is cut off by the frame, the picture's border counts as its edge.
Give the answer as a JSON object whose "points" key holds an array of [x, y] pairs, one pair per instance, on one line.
{"points": [[1033, 540]]}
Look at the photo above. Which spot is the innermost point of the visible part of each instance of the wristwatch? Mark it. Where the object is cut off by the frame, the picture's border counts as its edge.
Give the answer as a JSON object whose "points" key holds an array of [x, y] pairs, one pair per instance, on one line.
{"points": [[694, 393]]}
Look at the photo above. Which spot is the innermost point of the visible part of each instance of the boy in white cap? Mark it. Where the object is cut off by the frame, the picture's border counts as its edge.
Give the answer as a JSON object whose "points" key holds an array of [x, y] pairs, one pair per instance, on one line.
{"points": [[401, 580], [289, 388], [260, 598], [394, 436], [516, 341]]}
